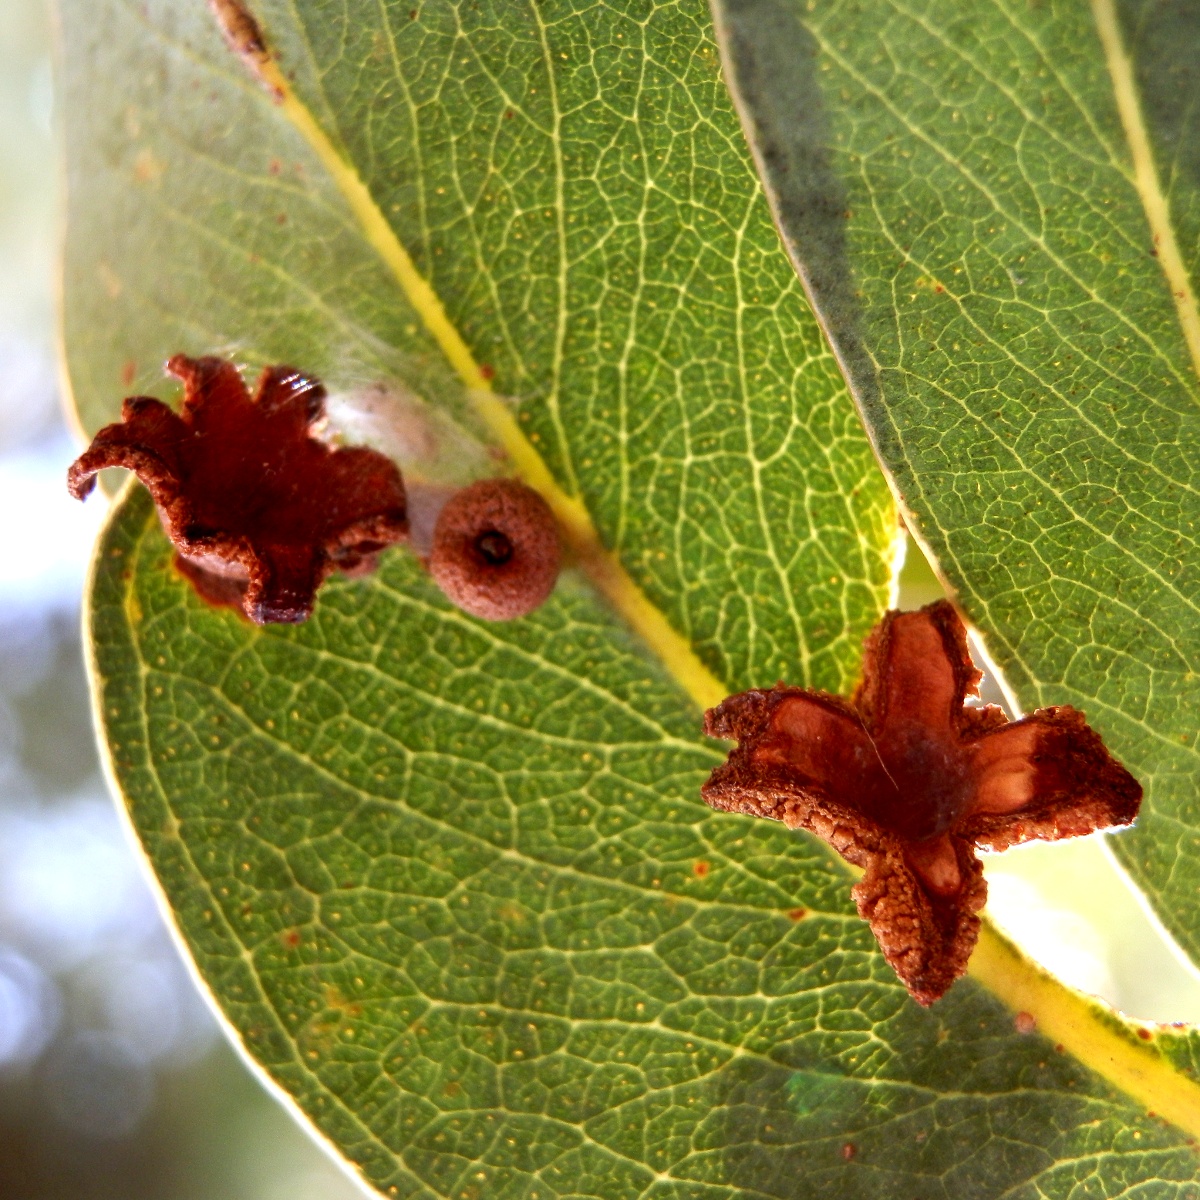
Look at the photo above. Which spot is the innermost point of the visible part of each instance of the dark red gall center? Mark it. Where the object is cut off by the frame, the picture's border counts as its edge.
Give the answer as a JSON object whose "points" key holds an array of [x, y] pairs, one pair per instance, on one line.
{"points": [[494, 547]]}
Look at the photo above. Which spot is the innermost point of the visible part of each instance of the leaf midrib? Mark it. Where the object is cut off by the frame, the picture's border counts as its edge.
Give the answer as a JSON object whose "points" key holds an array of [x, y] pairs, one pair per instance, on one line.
{"points": [[1146, 178], [603, 567]]}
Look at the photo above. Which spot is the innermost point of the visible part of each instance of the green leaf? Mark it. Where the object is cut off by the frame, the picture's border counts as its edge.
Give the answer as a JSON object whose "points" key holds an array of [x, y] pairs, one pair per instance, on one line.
{"points": [[452, 884], [599, 242], [995, 208], [445, 879]]}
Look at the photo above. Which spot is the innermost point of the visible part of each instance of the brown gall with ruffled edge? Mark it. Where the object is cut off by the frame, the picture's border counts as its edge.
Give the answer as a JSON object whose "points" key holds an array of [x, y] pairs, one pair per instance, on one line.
{"points": [[259, 510], [906, 781], [496, 550]]}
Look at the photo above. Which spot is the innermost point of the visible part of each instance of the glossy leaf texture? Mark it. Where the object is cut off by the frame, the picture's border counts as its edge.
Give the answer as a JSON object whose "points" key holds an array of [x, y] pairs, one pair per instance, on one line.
{"points": [[455, 890], [995, 207]]}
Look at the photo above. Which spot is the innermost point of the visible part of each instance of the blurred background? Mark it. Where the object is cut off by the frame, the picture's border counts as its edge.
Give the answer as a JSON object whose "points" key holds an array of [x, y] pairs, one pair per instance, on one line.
{"points": [[114, 1079], [115, 1082]]}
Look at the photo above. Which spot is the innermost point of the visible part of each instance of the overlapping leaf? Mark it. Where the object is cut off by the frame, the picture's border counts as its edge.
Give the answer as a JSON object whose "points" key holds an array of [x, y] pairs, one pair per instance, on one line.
{"points": [[453, 884], [995, 207], [456, 892], [200, 222]]}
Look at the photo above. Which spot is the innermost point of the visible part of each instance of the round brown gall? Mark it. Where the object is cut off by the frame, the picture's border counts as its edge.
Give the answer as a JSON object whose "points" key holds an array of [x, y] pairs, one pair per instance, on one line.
{"points": [[496, 551]]}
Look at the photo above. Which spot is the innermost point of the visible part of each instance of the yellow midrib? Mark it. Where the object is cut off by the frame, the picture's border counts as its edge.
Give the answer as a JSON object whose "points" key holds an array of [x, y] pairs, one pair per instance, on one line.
{"points": [[1095, 1037], [1102, 1039], [602, 567], [1145, 175]]}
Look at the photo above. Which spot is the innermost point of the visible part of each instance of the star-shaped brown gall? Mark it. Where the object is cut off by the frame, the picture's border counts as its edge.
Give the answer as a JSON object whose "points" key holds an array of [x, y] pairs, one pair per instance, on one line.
{"points": [[905, 780], [254, 504]]}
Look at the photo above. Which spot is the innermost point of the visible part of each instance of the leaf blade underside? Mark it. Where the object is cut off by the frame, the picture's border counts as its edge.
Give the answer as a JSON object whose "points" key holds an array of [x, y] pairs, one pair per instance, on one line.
{"points": [[993, 266], [446, 886]]}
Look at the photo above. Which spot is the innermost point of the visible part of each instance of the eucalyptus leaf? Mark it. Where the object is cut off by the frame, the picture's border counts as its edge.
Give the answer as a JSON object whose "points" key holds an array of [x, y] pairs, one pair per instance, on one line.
{"points": [[612, 266], [454, 888], [451, 883], [995, 209]]}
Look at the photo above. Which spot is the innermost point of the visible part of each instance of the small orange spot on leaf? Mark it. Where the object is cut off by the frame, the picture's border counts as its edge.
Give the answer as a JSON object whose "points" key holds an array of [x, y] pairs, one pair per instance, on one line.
{"points": [[797, 914], [147, 168], [700, 869]]}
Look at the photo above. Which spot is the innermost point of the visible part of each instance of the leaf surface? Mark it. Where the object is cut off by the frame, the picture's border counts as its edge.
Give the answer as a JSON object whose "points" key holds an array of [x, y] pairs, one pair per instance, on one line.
{"points": [[452, 884], [605, 253], [456, 892], [995, 209]]}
